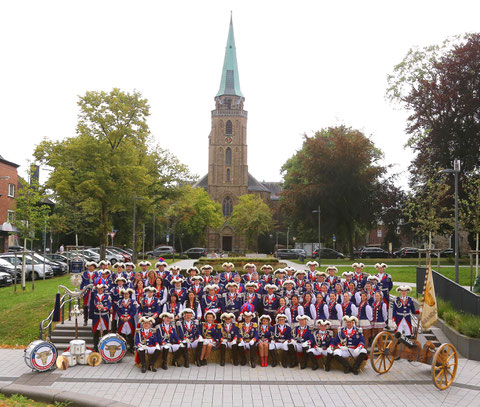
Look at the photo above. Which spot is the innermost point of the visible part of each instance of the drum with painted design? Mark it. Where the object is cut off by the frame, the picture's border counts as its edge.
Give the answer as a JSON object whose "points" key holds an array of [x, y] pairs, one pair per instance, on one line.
{"points": [[40, 356], [112, 348]]}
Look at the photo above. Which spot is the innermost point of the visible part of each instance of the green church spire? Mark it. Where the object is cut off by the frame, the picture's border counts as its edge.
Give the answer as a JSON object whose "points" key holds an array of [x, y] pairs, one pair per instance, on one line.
{"points": [[230, 84]]}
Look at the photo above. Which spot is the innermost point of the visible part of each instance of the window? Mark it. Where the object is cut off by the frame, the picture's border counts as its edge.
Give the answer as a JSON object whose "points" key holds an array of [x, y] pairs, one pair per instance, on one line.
{"points": [[228, 156], [10, 216], [228, 128], [227, 206], [11, 190], [228, 174]]}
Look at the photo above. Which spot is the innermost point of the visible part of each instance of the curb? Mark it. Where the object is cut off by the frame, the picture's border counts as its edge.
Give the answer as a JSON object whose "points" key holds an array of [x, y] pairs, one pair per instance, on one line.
{"points": [[53, 396]]}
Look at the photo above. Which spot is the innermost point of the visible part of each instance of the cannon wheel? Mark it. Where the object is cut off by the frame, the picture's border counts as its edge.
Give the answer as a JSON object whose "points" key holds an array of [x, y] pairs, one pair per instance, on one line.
{"points": [[444, 366], [381, 357]]}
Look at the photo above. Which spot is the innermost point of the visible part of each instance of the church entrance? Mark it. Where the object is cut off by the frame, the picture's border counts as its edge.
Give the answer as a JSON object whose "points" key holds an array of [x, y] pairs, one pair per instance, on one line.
{"points": [[227, 243]]}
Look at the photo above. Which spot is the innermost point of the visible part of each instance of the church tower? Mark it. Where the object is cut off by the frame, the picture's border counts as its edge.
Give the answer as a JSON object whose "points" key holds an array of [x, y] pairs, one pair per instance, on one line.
{"points": [[227, 158]]}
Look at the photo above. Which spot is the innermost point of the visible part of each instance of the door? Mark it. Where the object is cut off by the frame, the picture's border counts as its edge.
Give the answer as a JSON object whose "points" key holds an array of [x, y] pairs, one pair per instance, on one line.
{"points": [[227, 243]]}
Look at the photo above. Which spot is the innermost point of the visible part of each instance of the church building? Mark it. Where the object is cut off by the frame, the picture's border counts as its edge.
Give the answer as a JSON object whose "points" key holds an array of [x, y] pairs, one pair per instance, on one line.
{"points": [[228, 177]]}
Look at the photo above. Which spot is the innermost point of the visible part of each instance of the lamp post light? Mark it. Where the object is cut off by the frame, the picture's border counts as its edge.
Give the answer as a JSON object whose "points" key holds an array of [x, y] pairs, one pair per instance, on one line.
{"points": [[288, 235], [455, 171], [135, 198], [319, 244]]}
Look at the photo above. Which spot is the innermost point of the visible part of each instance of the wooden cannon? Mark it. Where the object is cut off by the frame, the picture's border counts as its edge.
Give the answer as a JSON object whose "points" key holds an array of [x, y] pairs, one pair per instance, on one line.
{"points": [[386, 348]]}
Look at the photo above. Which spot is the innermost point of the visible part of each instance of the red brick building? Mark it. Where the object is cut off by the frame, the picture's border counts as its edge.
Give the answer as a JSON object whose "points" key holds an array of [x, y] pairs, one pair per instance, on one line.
{"points": [[8, 193]]}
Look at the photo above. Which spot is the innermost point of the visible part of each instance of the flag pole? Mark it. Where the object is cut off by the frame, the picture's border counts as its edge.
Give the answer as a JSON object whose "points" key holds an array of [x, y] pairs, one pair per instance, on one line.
{"points": [[423, 299]]}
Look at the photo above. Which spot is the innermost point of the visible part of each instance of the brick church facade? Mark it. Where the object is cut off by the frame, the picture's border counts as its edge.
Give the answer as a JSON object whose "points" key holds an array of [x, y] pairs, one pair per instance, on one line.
{"points": [[228, 177]]}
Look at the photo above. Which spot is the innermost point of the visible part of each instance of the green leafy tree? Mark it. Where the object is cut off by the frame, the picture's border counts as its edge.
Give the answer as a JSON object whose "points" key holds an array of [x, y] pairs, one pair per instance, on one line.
{"points": [[192, 213], [470, 211], [337, 168], [251, 217]]}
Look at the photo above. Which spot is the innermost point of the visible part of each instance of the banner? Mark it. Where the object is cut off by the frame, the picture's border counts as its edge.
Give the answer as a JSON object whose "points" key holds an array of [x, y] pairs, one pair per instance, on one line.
{"points": [[429, 302]]}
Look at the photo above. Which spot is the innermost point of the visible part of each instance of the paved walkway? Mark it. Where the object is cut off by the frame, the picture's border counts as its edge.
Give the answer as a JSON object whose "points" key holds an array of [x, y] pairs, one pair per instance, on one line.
{"points": [[406, 384]]}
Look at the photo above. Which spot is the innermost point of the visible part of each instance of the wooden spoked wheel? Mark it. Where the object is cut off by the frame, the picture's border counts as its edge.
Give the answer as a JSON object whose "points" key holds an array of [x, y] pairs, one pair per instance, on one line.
{"points": [[381, 356], [444, 366]]}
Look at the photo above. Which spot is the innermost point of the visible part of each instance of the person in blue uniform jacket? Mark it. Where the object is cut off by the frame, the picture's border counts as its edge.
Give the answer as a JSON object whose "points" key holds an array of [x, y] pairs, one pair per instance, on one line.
{"points": [[250, 267], [282, 339], [267, 277], [349, 342], [228, 337], [321, 341], [385, 283], [197, 287], [264, 338], [120, 284], [190, 336], [211, 301], [302, 341], [403, 308], [227, 276], [270, 301], [88, 277], [231, 300], [209, 335], [248, 334], [149, 306], [127, 309], [359, 276], [146, 341], [251, 297], [167, 337], [177, 288], [100, 312]]}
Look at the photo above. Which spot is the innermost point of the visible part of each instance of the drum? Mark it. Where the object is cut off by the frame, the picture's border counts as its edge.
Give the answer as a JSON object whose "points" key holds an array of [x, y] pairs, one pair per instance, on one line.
{"points": [[83, 359], [40, 356], [72, 359], [78, 347], [112, 348]]}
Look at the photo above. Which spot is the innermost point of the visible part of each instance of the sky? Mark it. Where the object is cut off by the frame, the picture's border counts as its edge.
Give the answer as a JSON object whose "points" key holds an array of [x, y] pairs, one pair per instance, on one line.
{"points": [[303, 66]]}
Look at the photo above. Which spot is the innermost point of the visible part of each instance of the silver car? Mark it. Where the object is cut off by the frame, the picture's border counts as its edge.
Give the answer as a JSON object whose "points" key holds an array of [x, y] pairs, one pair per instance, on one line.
{"points": [[32, 265]]}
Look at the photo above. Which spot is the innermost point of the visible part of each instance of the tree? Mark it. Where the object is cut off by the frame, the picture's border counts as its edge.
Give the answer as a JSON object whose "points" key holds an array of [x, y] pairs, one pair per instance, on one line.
{"points": [[426, 211], [98, 171], [336, 168], [440, 86], [193, 212], [470, 211], [251, 217]]}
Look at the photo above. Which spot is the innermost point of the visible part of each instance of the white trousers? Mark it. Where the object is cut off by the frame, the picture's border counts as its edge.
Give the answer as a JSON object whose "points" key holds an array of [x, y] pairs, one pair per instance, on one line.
{"points": [[228, 344], [170, 347], [344, 353], [190, 345], [279, 345], [320, 351], [149, 349], [404, 328]]}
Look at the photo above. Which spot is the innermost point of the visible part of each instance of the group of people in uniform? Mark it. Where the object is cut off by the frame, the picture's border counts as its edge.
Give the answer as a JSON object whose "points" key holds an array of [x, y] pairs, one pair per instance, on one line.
{"points": [[289, 317]]}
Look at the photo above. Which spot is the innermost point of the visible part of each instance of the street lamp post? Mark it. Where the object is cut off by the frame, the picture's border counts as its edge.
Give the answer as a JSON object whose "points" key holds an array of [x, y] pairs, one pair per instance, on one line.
{"points": [[135, 198], [319, 244], [288, 235], [455, 171]]}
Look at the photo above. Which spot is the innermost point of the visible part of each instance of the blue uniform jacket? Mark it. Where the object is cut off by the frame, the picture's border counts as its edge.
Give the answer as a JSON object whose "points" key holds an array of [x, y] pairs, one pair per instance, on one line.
{"points": [[189, 331], [167, 334], [281, 334], [248, 333], [351, 339]]}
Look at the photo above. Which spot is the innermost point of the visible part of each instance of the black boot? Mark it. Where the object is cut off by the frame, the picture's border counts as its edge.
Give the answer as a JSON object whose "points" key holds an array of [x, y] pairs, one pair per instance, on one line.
{"points": [[186, 362], [292, 352], [198, 353], [164, 359], [358, 362], [328, 362], [235, 350], [141, 355], [223, 349], [285, 358], [85, 315], [346, 366], [114, 326], [175, 358], [153, 360], [303, 361], [273, 357], [130, 343], [96, 339], [314, 361], [252, 356], [243, 359]]}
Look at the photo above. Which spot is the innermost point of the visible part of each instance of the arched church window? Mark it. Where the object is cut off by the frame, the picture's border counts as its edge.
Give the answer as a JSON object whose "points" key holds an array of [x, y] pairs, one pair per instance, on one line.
{"points": [[228, 156], [227, 206], [228, 174], [228, 128]]}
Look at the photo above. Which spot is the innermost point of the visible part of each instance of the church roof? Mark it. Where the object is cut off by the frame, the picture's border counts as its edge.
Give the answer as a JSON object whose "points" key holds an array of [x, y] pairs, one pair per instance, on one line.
{"points": [[230, 83], [254, 185], [202, 182]]}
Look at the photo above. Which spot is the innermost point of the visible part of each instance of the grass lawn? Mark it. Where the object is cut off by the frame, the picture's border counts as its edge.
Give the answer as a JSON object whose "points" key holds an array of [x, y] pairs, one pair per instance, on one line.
{"points": [[17, 400], [22, 311]]}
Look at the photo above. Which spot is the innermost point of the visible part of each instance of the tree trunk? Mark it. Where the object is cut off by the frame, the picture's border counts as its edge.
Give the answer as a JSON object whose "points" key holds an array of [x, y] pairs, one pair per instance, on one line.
{"points": [[350, 242]]}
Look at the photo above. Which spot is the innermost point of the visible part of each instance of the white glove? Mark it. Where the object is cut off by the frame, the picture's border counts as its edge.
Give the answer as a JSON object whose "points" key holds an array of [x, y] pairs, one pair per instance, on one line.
{"points": [[234, 342], [241, 343], [157, 347], [305, 345], [252, 342], [200, 339], [344, 348]]}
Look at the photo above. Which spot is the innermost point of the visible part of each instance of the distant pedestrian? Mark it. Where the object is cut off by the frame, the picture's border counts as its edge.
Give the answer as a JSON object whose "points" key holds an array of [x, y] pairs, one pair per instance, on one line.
{"points": [[62, 249]]}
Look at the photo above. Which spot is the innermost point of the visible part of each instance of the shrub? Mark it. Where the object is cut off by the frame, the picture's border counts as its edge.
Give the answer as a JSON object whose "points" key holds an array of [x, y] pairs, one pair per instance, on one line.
{"points": [[469, 325], [452, 318]]}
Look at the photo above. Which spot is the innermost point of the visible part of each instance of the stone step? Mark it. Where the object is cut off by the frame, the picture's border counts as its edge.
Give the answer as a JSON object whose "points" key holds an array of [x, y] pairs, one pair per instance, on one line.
{"points": [[66, 339]]}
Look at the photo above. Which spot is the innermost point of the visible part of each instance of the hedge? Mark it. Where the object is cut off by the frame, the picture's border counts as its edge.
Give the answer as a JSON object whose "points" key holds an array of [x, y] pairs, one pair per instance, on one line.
{"points": [[239, 262]]}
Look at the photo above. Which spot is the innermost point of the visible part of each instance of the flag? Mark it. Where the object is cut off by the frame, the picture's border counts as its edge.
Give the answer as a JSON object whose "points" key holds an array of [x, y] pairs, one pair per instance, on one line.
{"points": [[429, 301]]}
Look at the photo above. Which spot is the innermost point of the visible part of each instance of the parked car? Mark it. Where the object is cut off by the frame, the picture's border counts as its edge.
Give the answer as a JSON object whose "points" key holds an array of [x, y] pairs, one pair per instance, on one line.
{"points": [[126, 255], [111, 256], [161, 250], [302, 254], [326, 253], [57, 267], [91, 254], [15, 248], [57, 257], [287, 254], [447, 253], [406, 252], [9, 268], [373, 253], [5, 279], [196, 252], [32, 265]]}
